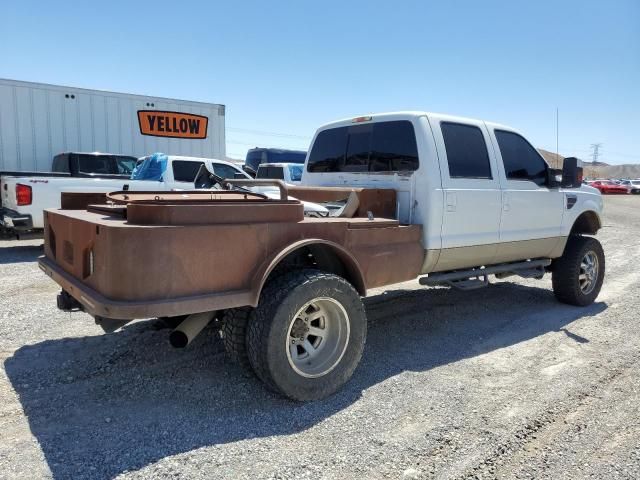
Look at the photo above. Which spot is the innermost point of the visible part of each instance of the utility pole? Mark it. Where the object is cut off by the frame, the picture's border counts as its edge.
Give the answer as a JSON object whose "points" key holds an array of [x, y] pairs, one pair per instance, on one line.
{"points": [[596, 151]]}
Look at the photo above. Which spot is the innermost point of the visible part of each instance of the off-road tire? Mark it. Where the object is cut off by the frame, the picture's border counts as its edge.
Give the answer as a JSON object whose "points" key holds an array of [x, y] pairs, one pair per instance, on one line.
{"points": [[268, 333], [234, 334], [566, 271]]}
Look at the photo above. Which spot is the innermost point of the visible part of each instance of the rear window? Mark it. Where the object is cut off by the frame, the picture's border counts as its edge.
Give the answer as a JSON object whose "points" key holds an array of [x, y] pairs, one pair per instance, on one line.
{"points": [[373, 147], [96, 164], [185, 171], [271, 172], [263, 155], [286, 157]]}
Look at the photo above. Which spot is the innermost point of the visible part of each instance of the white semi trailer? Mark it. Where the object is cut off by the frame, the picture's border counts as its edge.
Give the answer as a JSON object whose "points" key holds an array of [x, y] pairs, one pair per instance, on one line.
{"points": [[38, 121]]}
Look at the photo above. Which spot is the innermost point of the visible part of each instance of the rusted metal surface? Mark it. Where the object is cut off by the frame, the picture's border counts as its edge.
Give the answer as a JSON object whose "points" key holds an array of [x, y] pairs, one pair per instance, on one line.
{"points": [[80, 200], [380, 202], [173, 257], [182, 197]]}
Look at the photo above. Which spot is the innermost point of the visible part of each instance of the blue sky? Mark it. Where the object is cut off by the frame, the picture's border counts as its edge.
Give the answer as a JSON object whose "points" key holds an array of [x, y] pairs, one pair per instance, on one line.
{"points": [[288, 67]]}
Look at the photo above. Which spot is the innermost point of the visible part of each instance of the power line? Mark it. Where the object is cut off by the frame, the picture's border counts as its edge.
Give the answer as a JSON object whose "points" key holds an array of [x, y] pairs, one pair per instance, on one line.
{"points": [[269, 134], [254, 144]]}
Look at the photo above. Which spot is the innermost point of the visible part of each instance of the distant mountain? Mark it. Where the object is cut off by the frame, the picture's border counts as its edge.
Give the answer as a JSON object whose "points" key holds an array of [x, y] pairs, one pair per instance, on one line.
{"points": [[554, 160], [612, 171], [597, 169]]}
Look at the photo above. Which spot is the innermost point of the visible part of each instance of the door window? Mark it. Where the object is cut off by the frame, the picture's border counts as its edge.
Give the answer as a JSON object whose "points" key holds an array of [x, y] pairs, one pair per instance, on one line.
{"points": [[185, 171], [224, 171], [467, 154], [521, 160]]}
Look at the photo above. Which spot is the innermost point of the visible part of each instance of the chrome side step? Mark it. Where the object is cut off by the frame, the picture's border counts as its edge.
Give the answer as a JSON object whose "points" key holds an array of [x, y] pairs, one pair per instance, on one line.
{"points": [[478, 277]]}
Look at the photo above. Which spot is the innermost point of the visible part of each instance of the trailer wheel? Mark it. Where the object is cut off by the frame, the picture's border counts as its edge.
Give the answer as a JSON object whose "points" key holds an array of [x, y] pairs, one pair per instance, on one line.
{"points": [[234, 330], [308, 334], [577, 276]]}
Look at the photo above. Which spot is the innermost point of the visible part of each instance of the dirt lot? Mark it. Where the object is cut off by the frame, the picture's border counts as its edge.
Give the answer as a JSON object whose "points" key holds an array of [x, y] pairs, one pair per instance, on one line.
{"points": [[502, 382]]}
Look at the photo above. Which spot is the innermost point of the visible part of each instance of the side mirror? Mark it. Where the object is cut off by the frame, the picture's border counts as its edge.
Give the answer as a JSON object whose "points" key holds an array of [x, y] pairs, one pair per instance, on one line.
{"points": [[571, 173], [554, 177]]}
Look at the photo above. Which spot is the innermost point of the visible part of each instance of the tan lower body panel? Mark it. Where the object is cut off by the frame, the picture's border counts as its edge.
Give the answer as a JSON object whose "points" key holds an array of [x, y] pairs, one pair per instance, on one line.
{"points": [[477, 255]]}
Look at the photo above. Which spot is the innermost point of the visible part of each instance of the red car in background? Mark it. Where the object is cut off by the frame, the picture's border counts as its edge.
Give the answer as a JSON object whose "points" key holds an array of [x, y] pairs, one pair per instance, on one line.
{"points": [[605, 186]]}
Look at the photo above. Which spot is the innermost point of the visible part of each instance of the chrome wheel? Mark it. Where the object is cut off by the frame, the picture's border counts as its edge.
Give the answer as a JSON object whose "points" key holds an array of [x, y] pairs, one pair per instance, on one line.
{"points": [[318, 337], [589, 269]]}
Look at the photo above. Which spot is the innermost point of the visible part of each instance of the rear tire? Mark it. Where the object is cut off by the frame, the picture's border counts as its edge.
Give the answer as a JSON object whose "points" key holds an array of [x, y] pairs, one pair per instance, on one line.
{"points": [[234, 334], [578, 275], [308, 334]]}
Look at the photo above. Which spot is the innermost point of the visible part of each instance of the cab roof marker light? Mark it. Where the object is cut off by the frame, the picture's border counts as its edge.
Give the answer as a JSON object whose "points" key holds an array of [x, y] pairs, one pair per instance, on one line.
{"points": [[361, 119]]}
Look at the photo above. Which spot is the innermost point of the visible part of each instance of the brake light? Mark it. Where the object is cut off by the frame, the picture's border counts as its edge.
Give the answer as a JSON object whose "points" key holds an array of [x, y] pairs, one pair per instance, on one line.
{"points": [[361, 119], [23, 195]]}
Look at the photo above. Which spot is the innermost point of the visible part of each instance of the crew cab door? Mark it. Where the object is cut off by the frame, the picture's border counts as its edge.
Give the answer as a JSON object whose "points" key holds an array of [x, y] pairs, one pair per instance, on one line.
{"points": [[181, 174], [531, 211], [472, 196]]}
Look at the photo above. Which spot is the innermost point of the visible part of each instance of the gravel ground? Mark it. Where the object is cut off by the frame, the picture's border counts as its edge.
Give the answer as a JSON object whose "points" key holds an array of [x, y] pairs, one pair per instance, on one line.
{"points": [[502, 382]]}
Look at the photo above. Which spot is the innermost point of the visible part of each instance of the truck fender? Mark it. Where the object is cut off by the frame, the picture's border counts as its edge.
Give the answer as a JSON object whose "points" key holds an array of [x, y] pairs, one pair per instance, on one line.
{"points": [[583, 218], [352, 271], [588, 222]]}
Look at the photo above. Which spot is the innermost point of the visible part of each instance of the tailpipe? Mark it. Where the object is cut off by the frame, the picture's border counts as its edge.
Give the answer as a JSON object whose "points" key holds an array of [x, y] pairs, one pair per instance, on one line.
{"points": [[189, 329]]}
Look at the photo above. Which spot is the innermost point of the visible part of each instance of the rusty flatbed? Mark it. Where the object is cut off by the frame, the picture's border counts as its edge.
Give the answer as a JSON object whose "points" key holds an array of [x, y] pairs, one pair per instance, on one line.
{"points": [[149, 256]]}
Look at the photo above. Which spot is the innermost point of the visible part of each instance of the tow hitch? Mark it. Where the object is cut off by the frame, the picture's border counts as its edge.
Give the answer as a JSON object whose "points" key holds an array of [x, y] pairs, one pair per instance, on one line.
{"points": [[67, 303]]}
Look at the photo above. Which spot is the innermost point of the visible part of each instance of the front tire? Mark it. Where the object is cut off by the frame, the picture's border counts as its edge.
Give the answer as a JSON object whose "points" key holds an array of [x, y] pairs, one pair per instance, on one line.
{"points": [[308, 334], [578, 275]]}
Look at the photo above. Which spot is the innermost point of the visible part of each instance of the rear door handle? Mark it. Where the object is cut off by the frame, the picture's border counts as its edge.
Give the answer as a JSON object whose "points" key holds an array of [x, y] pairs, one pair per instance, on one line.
{"points": [[451, 202]]}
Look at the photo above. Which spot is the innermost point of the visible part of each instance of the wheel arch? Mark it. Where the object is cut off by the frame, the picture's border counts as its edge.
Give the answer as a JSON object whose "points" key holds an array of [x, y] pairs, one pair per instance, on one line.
{"points": [[327, 256], [588, 222]]}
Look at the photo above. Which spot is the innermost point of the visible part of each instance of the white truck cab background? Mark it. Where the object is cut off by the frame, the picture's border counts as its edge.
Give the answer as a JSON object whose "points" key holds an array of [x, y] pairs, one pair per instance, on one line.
{"points": [[473, 209]]}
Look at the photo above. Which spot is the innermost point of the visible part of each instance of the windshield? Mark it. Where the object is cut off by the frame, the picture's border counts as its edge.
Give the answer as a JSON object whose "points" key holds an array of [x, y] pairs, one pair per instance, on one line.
{"points": [[126, 164], [151, 168]]}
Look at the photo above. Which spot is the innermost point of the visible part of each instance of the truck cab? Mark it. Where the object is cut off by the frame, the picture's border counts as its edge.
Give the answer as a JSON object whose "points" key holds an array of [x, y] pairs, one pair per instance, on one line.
{"points": [[258, 155], [482, 193]]}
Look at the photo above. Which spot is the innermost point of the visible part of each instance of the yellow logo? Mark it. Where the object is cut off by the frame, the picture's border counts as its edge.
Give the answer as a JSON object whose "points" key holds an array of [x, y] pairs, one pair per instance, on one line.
{"points": [[172, 124]]}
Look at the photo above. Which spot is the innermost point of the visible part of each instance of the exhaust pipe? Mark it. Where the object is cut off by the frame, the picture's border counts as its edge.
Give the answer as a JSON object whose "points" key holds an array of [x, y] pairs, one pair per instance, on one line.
{"points": [[189, 329]]}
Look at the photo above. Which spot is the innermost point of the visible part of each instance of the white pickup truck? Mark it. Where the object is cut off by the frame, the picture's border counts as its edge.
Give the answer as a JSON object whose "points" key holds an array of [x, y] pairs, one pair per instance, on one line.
{"points": [[23, 198], [448, 200], [290, 173]]}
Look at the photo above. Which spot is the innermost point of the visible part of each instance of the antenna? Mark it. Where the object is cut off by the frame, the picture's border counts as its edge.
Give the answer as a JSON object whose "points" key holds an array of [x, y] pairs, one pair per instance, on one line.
{"points": [[557, 136]]}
